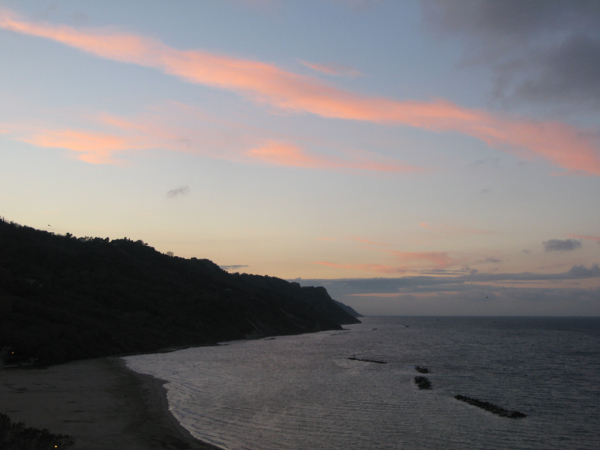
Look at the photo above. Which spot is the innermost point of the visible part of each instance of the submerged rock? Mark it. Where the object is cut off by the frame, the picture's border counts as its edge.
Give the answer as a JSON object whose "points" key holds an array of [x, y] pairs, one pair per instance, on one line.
{"points": [[423, 382], [353, 358]]}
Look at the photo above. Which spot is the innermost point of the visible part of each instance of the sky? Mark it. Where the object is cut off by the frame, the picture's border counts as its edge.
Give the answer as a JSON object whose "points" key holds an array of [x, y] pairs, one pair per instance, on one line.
{"points": [[414, 157]]}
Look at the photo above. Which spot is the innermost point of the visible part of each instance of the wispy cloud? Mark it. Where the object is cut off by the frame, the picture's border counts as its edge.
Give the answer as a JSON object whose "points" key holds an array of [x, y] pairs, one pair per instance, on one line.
{"points": [[410, 261], [440, 260], [286, 154], [587, 238], [175, 128], [492, 260], [331, 68], [563, 145], [454, 230], [92, 147], [234, 266], [488, 161], [379, 268], [368, 242], [183, 190]]}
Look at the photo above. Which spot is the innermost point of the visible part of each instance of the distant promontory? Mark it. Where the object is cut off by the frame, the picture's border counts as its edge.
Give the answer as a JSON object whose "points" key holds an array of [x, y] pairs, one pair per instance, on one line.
{"points": [[64, 298]]}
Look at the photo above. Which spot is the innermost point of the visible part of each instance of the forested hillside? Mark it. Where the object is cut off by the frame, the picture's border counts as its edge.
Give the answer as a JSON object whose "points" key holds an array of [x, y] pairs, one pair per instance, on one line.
{"points": [[64, 298]]}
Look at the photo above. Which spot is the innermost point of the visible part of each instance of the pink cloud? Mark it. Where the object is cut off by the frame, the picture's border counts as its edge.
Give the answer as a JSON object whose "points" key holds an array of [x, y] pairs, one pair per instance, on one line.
{"points": [[284, 154], [163, 130], [99, 140], [331, 68], [119, 136], [381, 294], [441, 260], [589, 238], [379, 268], [92, 147], [399, 294], [563, 145]]}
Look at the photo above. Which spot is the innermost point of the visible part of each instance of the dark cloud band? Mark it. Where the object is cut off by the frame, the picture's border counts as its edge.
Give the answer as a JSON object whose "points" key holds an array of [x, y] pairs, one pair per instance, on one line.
{"points": [[539, 51], [416, 284]]}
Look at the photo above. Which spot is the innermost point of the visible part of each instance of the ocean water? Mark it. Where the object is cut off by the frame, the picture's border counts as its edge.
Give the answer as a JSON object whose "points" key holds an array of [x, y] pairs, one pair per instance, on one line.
{"points": [[302, 392]]}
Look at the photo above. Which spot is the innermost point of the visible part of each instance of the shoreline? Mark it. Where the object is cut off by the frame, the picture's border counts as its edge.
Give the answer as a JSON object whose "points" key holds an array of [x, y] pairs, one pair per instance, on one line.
{"points": [[100, 402]]}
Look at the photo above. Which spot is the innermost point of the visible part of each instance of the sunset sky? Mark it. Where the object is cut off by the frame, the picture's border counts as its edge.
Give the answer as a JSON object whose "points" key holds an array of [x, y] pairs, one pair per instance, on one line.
{"points": [[413, 157]]}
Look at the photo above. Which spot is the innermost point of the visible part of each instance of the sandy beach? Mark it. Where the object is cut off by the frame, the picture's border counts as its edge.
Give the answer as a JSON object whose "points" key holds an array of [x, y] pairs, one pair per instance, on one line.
{"points": [[100, 403]]}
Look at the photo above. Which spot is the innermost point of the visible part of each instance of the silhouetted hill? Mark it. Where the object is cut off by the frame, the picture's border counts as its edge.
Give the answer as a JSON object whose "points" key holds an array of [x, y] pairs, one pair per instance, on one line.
{"points": [[63, 298], [349, 309]]}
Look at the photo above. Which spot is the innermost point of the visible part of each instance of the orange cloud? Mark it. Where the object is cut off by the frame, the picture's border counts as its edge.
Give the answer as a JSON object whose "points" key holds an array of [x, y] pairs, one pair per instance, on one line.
{"points": [[379, 268], [589, 238], [563, 145]]}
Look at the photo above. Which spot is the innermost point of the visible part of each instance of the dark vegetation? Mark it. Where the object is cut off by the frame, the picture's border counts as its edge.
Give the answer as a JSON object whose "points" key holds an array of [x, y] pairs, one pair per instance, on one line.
{"points": [[15, 436], [490, 407], [421, 369], [64, 298]]}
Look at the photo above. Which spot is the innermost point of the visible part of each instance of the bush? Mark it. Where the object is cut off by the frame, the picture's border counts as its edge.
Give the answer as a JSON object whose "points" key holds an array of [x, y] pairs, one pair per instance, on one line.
{"points": [[15, 436]]}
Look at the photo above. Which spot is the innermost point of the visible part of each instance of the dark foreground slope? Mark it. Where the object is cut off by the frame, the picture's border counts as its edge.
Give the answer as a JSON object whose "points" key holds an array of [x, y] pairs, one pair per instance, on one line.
{"points": [[63, 298]]}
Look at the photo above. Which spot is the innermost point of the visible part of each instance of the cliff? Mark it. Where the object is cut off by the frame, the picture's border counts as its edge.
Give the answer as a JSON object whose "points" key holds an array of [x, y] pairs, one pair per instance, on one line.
{"points": [[63, 298]]}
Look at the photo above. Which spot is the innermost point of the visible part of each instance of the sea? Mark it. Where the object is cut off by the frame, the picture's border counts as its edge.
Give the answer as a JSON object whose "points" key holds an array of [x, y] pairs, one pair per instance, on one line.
{"points": [[304, 391]]}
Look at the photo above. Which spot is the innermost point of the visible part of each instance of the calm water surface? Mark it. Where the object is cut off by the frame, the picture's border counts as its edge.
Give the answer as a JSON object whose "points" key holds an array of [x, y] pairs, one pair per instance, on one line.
{"points": [[302, 392]]}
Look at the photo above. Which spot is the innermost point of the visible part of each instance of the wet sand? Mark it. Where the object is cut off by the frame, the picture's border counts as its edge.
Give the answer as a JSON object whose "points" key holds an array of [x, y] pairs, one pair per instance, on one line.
{"points": [[99, 402]]}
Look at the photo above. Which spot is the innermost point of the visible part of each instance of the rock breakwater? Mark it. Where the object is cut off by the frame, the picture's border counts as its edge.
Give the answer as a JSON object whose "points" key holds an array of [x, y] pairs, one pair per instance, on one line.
{"points": [[490, 407]]}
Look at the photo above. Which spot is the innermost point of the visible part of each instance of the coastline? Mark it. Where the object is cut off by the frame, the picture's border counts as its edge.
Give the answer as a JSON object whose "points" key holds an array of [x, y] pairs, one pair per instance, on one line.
{"points": [[100, 402]]}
